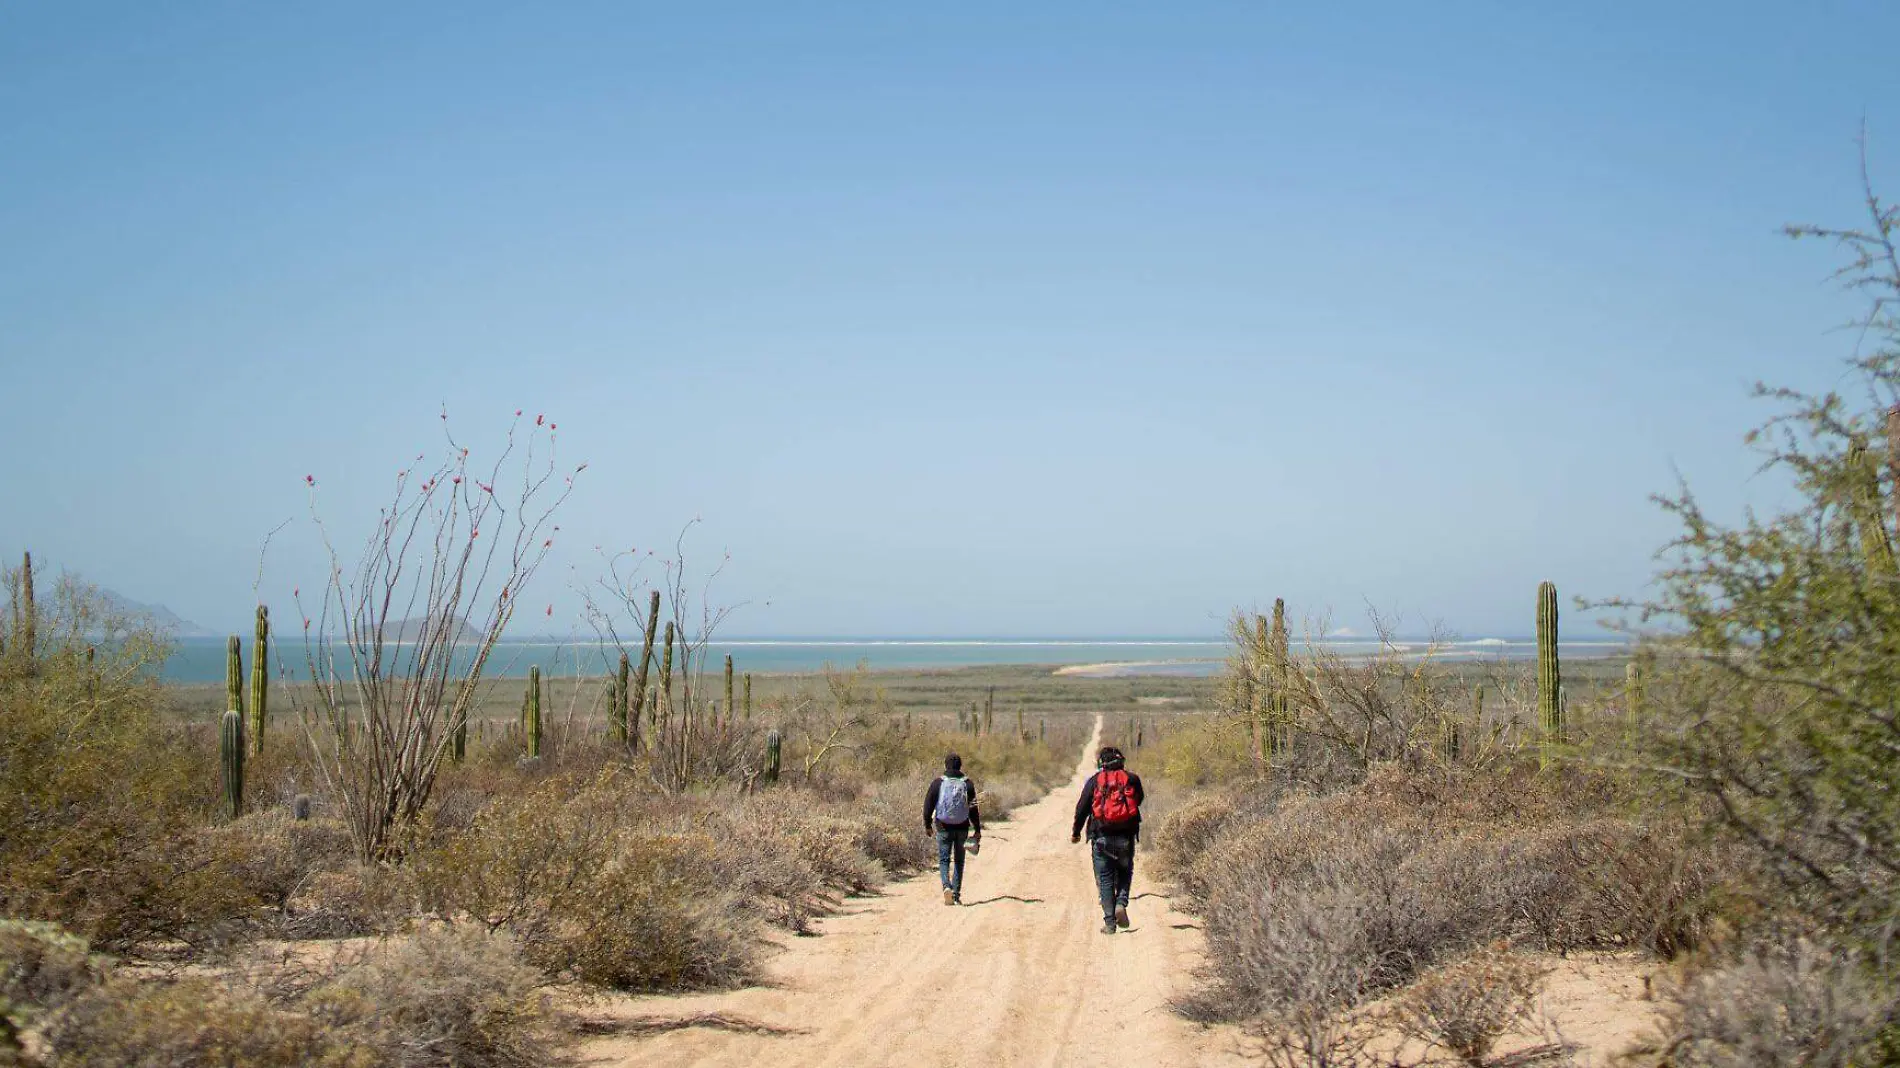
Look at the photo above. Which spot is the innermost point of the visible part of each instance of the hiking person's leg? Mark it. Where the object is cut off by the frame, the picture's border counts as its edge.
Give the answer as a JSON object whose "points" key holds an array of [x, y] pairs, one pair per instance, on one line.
{"points": [[1104, 883], [959, 836], [944, 839], [1124, 882]]}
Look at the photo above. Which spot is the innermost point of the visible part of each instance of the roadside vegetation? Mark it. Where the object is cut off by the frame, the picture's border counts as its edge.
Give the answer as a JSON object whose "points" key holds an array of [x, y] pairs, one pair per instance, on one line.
{"points": [[336, 861], [1388, 850]]}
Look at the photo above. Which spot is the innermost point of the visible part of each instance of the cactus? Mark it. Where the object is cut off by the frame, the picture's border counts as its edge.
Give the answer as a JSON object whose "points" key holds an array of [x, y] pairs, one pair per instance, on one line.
{"points": [[458, 739], [618, 712], [300, 808], [231, 762], [989, 712], [1280, 657], [234, 674], [748, 697], [639, 700], [26, 628], [1042, 730], [1451, 743], [1550, 713], [1021, 734], [666, 669], [260, 678], [1632, 699], [729, 704], [531, 722], [1864, 505], [772, 746]]}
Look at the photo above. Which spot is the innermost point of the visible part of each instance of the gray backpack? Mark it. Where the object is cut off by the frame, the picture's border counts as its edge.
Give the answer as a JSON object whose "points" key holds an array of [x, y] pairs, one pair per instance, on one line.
{"points": [[953, 801]]}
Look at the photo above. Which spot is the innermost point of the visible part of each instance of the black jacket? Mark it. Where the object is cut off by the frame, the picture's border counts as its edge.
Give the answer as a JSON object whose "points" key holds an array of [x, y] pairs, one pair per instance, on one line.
{"points": [[1084, 813], [930, 807]]}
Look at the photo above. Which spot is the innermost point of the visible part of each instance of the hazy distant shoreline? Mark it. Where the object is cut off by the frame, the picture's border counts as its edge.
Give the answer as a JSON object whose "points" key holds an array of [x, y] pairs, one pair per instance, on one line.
{"points": [[202, 660]]}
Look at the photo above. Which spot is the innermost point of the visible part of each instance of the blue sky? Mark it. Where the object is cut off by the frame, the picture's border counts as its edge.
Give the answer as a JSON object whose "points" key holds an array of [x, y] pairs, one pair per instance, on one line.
{"points": [[1075, 321]]}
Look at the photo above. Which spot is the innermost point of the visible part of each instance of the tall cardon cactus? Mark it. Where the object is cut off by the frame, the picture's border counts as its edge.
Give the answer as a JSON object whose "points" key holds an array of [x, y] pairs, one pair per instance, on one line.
{"points": [[1280, 655], [748, 697], [531, 725], [640, 699], [260, 679], [730, 708], [231, 762], [617, 713], [1550, 715], [773, 743], [234, 674]]}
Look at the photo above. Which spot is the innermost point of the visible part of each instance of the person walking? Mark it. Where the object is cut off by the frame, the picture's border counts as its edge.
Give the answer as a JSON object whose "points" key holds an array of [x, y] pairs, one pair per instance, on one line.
{"points": [[1110, 808], [950, 813]]}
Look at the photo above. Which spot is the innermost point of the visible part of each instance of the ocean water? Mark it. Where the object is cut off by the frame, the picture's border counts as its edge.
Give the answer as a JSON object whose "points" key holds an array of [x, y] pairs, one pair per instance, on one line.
{"points": [[203, 659]]}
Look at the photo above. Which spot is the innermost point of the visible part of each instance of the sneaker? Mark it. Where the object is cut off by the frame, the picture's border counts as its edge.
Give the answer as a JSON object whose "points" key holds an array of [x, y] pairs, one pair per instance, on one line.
{"points": [[1108, 926], [949, 896], [1121, 916], [956, 899]]}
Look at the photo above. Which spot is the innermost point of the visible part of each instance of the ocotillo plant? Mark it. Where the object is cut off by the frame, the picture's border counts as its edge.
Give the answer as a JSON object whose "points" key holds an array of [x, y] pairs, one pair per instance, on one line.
{"points": [[260, 679], [1549, 673], [231, 762], [617, 714], [531, 725], [234, 674], [772, 744]]}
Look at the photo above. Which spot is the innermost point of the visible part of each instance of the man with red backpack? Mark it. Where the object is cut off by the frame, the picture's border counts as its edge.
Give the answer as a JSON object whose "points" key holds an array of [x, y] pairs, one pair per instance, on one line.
{"points": [[1110, 807]]}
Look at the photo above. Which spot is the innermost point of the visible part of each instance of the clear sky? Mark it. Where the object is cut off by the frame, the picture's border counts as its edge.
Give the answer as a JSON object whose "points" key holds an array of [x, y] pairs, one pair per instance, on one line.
{"points": [[982, 319]]}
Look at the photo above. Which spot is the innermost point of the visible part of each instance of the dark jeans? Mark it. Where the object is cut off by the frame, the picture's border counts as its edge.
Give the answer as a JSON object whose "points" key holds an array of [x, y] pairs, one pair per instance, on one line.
{"points": [[950, 840], [1114, 857]]}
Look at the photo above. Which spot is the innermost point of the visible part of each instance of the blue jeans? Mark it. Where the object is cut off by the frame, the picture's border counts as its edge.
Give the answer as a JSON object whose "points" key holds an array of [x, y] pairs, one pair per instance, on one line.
{"points": [[950, 855], [1114, 857]]}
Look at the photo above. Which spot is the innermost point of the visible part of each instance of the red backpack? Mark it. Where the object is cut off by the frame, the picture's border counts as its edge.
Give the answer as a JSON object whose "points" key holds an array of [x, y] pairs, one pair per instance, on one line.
{"points": [[1114, 798]]}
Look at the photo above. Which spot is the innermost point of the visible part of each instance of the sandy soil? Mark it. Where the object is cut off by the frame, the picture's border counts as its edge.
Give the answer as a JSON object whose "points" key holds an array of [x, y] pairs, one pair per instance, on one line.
{"points": [[1020, 975]]}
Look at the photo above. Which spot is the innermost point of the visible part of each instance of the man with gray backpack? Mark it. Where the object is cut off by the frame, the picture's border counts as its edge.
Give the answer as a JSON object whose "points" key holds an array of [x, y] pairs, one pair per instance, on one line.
{"points": [[950, 813]]}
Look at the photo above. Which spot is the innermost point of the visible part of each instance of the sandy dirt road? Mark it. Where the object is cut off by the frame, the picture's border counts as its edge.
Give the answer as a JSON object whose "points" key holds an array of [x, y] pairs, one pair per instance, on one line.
{"points": [[1020, 975]]}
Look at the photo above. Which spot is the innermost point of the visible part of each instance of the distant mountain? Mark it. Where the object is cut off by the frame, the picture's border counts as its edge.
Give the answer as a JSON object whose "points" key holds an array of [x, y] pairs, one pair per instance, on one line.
{"points": [[407, 630], [167, 619]]}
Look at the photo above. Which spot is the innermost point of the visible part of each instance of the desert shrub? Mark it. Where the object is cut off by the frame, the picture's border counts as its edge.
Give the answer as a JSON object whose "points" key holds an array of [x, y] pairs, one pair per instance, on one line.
{"points": [[101, 801], [1467, 1005], [1777, 1007], [1361, 891], [272, 857], [444, 996], [594, 893], [359, 899], [41, 969], [131, 1023]]}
